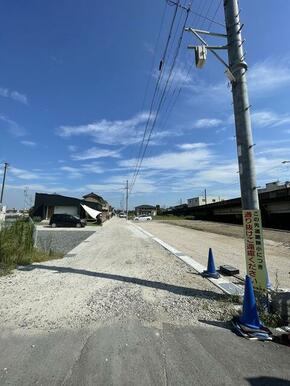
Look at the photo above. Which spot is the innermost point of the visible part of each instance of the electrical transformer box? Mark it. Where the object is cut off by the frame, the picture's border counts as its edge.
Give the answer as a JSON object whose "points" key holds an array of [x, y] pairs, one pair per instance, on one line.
{"points": [[200, 56]]}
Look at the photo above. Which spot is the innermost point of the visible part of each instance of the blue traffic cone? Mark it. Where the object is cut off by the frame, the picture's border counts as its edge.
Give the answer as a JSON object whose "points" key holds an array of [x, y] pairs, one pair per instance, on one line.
{"points": [[211, 271], [250, 317]]}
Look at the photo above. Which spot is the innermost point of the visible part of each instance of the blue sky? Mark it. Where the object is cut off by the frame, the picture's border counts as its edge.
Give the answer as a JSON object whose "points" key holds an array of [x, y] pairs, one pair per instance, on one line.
{"points": [[73, 101]]}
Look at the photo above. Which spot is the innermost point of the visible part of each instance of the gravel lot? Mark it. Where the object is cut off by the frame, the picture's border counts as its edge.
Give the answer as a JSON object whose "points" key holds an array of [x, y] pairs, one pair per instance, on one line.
{"points": [[233, 230], [61, 239], [226, 249], [116, 274]]}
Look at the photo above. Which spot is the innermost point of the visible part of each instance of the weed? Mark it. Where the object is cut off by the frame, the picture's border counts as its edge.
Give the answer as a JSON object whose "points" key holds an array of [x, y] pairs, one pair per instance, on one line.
{"points": [[17, 246], [271, 319]]}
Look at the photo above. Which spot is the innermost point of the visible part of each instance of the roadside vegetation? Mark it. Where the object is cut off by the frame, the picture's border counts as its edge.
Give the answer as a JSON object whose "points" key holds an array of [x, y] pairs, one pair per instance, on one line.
{"points": [[17, 246], [171, 217]]}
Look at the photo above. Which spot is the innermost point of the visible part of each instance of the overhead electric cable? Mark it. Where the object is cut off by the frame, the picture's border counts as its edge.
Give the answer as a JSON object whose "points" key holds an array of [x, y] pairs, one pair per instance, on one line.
{"points": [[155, 90], [160, 102]]}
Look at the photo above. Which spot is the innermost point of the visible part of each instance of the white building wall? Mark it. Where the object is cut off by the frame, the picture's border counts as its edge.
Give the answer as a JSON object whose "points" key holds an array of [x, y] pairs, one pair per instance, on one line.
{"points": [[200, 200]]}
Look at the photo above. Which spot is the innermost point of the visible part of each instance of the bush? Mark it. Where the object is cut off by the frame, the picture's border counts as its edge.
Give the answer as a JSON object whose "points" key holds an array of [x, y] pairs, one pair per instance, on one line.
{"points": [[17, 246], [36, 219], [16, 242]]}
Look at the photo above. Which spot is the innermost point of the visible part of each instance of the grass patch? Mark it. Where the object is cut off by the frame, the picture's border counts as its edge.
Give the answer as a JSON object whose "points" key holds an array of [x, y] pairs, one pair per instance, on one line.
{"points": [[17, 247], [170, 217]]}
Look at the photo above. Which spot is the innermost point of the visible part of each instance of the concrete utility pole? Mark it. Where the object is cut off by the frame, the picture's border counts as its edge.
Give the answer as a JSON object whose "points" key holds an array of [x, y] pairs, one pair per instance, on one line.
{"points": [[3, 182], [127, 197], [245, 146], [205, 198], [236, 69]]}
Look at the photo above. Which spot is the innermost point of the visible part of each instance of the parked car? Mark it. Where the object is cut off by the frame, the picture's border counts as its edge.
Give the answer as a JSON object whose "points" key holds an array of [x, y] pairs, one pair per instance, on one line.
{"points": [[143, 217], [66, 220], [122, 215]]}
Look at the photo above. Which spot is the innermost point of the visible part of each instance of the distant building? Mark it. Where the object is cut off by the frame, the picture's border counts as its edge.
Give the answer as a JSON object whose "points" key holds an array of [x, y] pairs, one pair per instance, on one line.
{"points": [[46, 205], [200, 200], [272, 186], [105, 208], [147, 210]]}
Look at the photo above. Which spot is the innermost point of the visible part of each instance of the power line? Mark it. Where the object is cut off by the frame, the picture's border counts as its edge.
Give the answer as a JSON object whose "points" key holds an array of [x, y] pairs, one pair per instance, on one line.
{"points": [[182, 83], [199, 13], [153, 60], [161, 100], [155, 90], [175, 94]]}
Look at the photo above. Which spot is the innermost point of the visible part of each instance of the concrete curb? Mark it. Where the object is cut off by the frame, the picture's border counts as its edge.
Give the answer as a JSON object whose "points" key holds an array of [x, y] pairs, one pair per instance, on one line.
{"points": [[222, 283]]}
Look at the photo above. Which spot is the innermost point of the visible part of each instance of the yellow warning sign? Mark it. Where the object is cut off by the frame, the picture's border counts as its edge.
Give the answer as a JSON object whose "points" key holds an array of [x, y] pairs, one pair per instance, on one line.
{"points": [[255, 256]]}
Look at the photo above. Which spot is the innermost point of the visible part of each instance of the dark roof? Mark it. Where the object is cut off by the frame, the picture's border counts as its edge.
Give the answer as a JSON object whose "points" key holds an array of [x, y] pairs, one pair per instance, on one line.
{"points": [[59, 200], [55, 199], [145, 206], [96, 196]]}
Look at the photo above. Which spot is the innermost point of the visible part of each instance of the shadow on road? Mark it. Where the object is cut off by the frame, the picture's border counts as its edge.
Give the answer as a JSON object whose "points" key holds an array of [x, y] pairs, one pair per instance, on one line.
{"points": [[268, 381], [217, 323], [179, 290]]}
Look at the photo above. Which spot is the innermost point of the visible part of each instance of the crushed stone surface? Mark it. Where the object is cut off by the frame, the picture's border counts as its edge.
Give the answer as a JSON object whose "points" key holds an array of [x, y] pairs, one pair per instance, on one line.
{"points": [[227, 249], [117, 274]]}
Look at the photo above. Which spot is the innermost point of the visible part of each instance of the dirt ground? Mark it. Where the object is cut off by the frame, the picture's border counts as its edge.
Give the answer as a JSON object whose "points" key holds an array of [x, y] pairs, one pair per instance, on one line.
{"points": [[227, 249], [229, 229]]}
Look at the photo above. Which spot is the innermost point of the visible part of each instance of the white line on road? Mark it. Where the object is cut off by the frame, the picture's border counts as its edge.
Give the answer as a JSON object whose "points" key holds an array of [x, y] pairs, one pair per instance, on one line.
{"points": [[222, 283]]}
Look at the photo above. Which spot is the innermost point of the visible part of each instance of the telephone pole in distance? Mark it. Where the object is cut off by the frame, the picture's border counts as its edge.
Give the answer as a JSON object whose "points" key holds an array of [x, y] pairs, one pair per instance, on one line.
{"points": [[127, 198], [3, 181]]}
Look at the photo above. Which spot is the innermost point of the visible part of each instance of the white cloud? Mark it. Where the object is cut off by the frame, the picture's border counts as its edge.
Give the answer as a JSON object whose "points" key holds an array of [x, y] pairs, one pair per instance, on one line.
{"points": [[269, 75], [264, 78], [117, 184], [269, 118], [15, 95], [28, 143], [223, 174], [72, 148], [93, 167], [190, 146], [40, 188], [12, 127], [89, 168], [71, 172], [23, 174], [107, 132], [222, 130], [277, 150], [207, 123], [95, 153], [186, 160], [272, 142]]}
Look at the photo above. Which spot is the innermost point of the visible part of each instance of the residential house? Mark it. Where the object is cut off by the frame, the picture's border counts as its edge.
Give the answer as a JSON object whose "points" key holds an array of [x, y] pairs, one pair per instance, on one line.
{"points": [[147, 210], [46, 205]]}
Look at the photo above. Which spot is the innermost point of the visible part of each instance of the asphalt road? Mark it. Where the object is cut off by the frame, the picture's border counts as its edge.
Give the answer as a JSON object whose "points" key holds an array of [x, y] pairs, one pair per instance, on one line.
{"points": [[120, 310]]}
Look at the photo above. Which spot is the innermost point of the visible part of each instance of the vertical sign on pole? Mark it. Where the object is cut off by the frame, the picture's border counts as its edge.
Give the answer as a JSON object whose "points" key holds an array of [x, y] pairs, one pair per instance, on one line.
{"points": [[254, 245]]}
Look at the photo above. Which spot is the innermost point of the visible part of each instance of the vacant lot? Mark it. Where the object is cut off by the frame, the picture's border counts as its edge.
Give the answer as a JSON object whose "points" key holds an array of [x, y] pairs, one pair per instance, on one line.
{"points": [[229, 229], [227, 249]]}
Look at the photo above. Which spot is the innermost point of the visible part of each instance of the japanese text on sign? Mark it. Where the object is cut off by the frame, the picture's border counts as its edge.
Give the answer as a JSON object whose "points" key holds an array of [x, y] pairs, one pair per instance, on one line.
{"points": [[255, 258]]}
